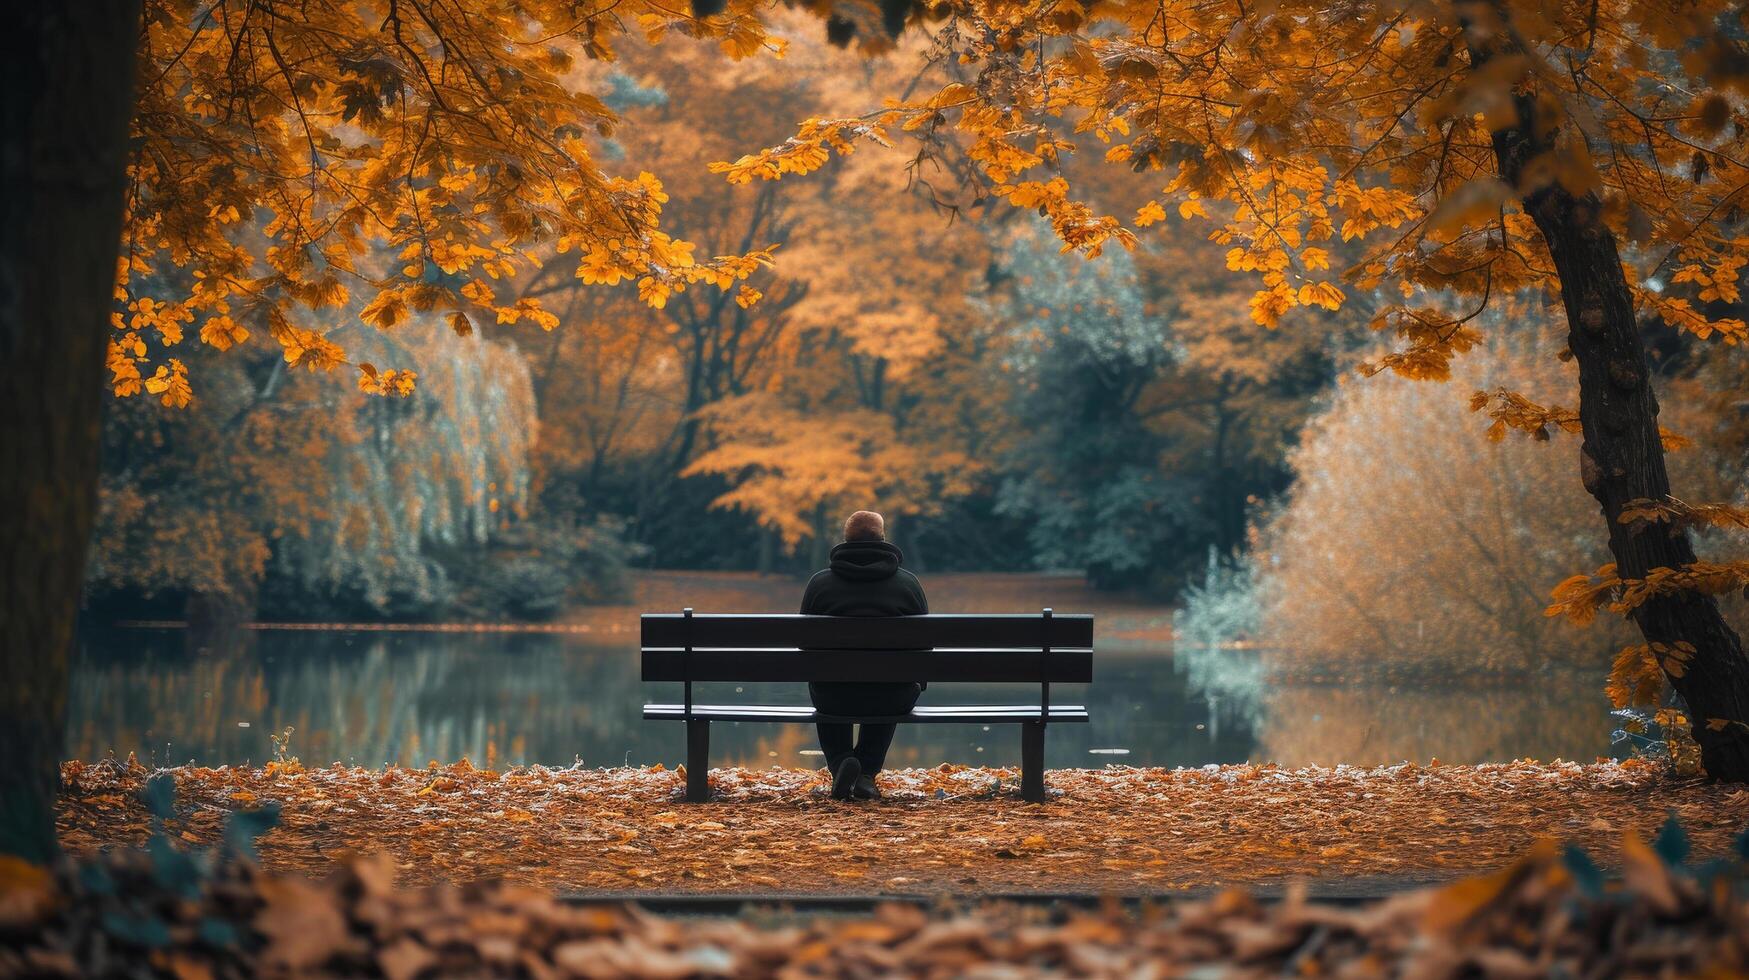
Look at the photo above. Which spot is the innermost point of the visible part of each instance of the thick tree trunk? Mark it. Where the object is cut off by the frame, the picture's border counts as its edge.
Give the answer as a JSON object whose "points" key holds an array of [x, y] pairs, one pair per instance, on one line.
{"points": [[65, 99], [1622, 458]]}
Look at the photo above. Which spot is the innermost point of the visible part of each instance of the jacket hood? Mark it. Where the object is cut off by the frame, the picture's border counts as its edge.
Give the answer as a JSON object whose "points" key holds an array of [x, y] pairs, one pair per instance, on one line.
{"points": [[866, 561]]}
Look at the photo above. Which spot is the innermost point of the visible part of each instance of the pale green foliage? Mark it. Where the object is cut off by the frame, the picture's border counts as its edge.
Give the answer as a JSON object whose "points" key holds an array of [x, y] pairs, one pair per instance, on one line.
{"points": [[279, 476], [1409, 536], [1087, 470], [444, 468]]}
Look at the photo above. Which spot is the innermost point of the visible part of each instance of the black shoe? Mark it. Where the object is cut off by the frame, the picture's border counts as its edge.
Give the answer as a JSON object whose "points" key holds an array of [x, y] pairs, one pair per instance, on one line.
{"points": [[866, 789], [844, 780]]}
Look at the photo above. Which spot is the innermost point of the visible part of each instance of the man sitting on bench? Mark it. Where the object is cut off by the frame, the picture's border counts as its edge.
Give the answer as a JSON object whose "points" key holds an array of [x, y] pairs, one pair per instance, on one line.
{"points": [[864, 580]]}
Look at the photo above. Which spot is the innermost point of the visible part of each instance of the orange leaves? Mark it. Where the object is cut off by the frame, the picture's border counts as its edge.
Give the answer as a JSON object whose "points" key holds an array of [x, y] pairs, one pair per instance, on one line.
{"points": [[655, 292], [1325, 294], [1580, 597], [1511, 410], [392, 382], [1682, 315], [1370, 208], [1476, 202], [454, 145], [165, 318], [387, 310], [1434, 338], [222, 332], [1683, 515], [309, 350], [171, 384], [1035, 194], [1637, 675], [27, 892], [122, 358], [1717, 281], [803, 153], [786, 464], [1268, 306]]}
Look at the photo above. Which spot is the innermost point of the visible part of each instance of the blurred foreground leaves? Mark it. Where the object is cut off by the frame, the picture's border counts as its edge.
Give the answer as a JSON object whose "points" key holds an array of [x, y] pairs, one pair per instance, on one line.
{"points": [[1551, 912]]}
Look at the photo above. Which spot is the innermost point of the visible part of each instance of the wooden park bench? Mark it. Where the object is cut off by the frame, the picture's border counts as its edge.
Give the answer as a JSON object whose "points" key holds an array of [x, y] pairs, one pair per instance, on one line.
{"points": [[1031, 648]]}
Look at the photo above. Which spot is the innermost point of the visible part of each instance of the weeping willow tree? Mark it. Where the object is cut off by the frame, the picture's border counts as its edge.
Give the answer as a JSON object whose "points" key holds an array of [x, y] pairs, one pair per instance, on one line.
{"points": [[277, 476]]}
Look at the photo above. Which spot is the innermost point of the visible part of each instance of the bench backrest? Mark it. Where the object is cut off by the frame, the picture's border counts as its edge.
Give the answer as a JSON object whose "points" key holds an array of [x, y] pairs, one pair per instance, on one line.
{"points": [[1031, 648]]}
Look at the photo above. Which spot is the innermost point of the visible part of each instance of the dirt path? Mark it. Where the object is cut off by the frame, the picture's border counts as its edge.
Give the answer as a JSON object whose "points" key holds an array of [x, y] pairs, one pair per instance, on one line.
{"points": [[951, 829]]}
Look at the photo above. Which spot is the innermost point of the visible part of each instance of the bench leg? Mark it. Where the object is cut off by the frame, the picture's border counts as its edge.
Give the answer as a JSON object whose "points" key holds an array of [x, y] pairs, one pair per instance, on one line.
{"points": [[698, 766], [1032, 761]]}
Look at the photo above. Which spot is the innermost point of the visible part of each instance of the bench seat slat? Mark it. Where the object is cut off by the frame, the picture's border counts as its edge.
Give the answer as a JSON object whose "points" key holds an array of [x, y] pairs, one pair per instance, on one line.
{"points": [[1067, 666], [967, 713], [867, 633]]}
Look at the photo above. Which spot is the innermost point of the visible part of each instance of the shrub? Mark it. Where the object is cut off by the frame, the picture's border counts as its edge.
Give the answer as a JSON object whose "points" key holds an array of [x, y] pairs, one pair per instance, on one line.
{"points": [[1411, 538]]}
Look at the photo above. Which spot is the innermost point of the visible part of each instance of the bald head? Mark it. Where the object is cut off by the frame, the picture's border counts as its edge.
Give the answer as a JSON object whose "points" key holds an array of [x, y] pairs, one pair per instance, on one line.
{"points": [[865, 525]]}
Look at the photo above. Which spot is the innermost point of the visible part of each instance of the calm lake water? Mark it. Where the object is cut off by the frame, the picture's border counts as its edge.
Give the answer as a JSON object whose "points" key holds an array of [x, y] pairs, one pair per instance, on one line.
{"points": [[500, 698]]}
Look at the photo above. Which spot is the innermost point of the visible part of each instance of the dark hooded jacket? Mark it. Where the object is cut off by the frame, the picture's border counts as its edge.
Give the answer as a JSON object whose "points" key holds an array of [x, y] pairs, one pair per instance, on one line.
{"points": [[864, 580]]}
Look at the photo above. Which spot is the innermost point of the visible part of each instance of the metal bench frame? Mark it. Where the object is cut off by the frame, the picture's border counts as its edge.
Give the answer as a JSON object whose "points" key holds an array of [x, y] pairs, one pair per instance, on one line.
{"points": [[939, 648]]}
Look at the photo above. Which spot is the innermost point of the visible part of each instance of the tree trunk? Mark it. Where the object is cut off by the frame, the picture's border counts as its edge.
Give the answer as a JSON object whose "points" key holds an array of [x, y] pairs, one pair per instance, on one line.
{"points": [[66, 97], [1622, 458]]}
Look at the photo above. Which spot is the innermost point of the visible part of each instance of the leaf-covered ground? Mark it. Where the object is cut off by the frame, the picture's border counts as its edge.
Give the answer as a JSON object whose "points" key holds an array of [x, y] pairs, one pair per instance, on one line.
{"points": [[949, 829]]}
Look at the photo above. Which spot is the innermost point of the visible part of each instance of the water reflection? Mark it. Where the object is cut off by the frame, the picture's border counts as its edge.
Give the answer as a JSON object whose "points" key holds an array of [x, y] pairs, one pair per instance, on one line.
{"points": [[372, 698]]}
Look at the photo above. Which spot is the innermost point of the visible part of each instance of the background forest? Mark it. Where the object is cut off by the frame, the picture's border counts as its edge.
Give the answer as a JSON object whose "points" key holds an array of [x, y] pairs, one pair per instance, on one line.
{"points": [[914, 350]]}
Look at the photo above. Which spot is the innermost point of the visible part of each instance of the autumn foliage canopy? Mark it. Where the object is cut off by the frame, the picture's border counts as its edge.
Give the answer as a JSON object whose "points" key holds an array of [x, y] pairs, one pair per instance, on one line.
{"points": [[417, 156]]}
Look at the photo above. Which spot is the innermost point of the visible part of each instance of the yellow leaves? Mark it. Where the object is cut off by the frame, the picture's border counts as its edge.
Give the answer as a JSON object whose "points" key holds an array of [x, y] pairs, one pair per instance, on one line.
{"points": [[600, 266], [1149, 213], [392, 382], [222, 332], [1192, 207], [122, 360], [171, 383], [165, 318], [1315, 258], [747, 296], [655, 292]]}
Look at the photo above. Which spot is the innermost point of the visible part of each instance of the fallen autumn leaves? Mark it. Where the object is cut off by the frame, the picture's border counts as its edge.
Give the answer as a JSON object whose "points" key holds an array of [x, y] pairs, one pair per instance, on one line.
{"points": [[944, 830], [1550, 914]]}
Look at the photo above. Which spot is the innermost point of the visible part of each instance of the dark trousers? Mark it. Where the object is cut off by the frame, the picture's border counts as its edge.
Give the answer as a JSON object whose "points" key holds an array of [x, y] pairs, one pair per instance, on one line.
{"points": [[871, 744]]}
